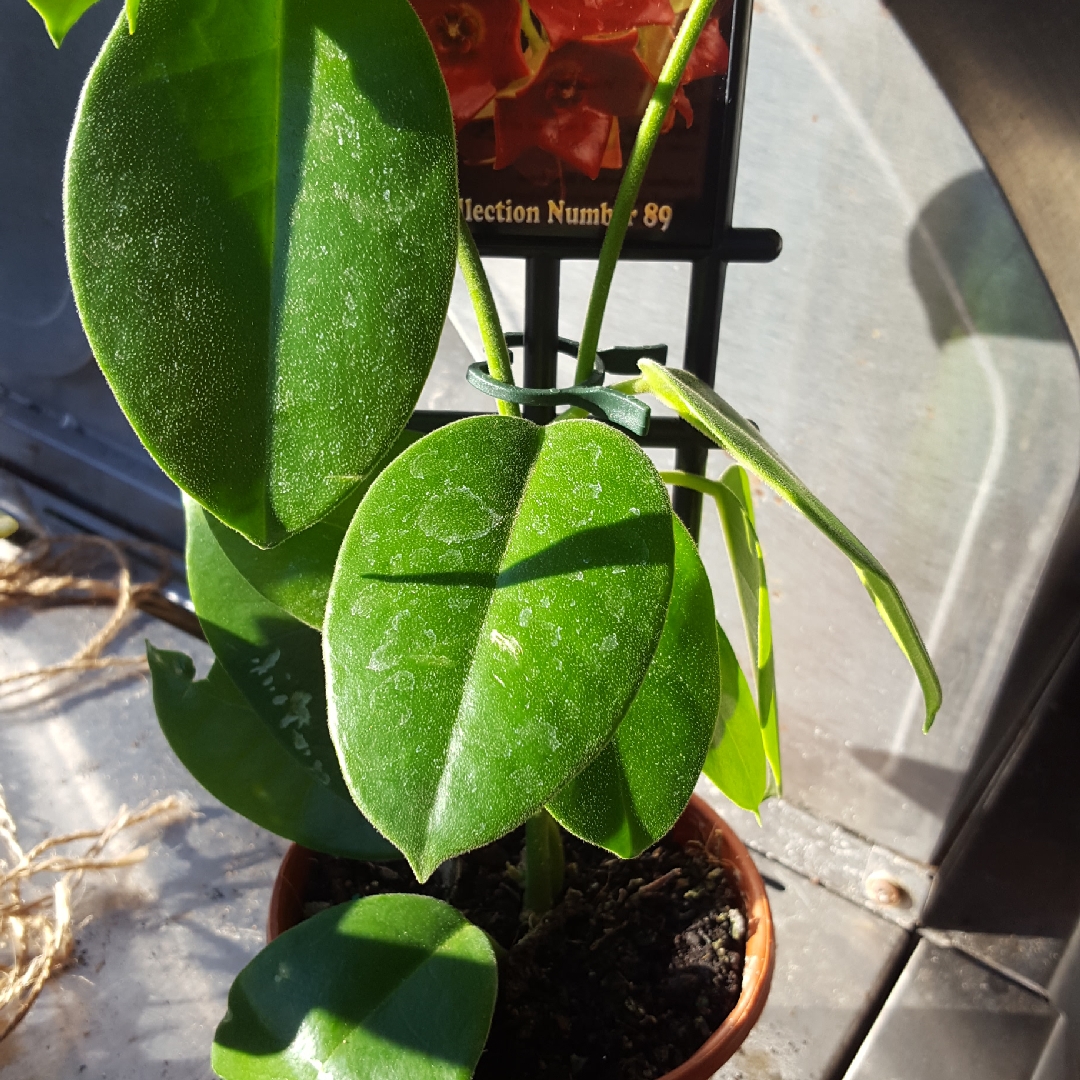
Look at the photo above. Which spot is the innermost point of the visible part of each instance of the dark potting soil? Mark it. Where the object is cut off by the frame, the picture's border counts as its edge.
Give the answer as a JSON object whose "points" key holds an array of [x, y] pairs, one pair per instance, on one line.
{"points": [[639, 962]]}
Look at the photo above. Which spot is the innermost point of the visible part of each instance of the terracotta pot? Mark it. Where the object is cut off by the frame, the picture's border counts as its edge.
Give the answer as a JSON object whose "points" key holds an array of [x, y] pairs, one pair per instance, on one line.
{"points": [[698, 822]]}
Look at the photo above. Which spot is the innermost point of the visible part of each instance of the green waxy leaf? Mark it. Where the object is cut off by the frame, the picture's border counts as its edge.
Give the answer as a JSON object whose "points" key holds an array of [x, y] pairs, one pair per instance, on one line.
{"points": [[392, 987], [735, 762], [633, 793], [496, 603], [274, 660], [227, 747], [736, 509], [295, 575], [701, 406], [261, 216]]}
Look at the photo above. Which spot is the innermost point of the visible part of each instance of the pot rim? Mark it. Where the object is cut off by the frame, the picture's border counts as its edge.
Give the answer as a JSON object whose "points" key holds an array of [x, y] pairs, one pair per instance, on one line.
{"points": [[704, 820], [699, 822]]}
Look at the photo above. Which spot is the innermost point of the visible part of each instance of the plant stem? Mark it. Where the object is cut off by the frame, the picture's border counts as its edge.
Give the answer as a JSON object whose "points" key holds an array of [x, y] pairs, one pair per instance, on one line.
{"points": [[487, 315], [644, 144], [693, 481], [543, 862]]}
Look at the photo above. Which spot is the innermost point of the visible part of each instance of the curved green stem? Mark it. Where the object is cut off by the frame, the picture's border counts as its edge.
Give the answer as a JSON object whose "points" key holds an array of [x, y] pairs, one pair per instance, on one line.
{"points": [[694, 482], [487, 315], [644, 144], [631, 386]]}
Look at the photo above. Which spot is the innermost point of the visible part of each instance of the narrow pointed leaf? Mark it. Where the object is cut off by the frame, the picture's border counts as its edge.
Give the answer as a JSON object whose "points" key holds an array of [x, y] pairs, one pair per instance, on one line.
{"points": [[735, 762], [496, 603], [702, 407], [60, 16], [296, 573], [393, 987], [261, 218], [736, 509], [229, 750], [633, 793], [274, 660]]}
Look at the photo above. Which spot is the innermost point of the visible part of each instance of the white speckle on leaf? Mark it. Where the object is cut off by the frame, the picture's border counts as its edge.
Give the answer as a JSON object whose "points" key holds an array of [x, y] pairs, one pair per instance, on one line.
{"points": [[506, 642], [261, 668], [298, 712]]}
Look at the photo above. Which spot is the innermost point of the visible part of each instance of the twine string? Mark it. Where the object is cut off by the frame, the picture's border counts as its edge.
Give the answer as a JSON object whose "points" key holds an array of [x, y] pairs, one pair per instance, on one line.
{"points": [[37, 920]]}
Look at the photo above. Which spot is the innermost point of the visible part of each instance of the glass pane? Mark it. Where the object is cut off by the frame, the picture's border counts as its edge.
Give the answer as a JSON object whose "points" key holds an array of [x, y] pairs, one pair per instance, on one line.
{"points": [[905, 356]]}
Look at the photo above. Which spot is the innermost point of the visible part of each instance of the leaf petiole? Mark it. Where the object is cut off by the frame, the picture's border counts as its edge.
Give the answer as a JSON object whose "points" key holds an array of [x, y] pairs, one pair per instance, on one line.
{"points": [[694, 482], [487, 315], [544, 862]]}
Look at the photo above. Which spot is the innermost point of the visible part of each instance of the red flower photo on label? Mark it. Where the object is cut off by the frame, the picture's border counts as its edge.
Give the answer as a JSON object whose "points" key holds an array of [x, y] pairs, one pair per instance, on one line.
{"points": [[572, 20], [568, 108], [478, 45], [547, 95]]}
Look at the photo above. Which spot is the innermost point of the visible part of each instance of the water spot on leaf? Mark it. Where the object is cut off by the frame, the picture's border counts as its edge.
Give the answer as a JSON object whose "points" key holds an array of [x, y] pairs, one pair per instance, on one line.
{"points": [[457, 516]]}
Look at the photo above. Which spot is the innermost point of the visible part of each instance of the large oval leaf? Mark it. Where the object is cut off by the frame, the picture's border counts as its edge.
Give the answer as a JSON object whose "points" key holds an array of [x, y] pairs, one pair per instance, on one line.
{"points": [[496, 603], [274, 660], [634, 792], [700, 405], [393, 987], [261, 209], [227, 748], [295, 575]]}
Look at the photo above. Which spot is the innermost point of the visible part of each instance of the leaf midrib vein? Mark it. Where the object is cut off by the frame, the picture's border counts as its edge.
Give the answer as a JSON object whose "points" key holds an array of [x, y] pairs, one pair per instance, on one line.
{"points": [[476, 644]]}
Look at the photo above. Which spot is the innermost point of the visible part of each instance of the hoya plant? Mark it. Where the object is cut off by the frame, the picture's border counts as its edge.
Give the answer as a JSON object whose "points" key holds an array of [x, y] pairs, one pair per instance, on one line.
{"points": [[420, 643]]}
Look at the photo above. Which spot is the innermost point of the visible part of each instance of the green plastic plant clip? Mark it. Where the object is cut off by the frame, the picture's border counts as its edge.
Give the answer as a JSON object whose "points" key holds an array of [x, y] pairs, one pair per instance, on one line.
{"points": [[620, 409]]}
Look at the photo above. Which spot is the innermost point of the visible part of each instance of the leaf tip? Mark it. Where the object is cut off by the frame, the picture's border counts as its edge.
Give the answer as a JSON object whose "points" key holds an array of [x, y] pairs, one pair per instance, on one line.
{"points": [[421, 864]]}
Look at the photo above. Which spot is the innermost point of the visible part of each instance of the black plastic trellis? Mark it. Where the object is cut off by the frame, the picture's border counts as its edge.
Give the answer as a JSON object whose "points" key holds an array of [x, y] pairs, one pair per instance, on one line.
{"points": [[709, 262]]}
